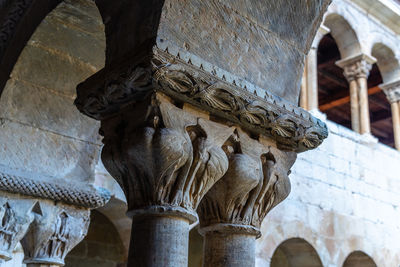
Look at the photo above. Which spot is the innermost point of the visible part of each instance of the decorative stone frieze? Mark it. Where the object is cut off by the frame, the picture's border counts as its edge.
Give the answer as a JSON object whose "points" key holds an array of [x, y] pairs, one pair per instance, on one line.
{"points": [[110, 90], [88, 198], [392, 91], [55, 230], [15, 217], [232, 211]]}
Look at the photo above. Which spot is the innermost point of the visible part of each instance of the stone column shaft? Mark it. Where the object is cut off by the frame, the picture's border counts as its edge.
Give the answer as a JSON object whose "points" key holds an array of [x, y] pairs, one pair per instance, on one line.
{"points": [[354, 106], [229, 250], [312, 79], [159, 241], [311, 71], [396, 123], [365, 126], [303, 93], [392, 91]]}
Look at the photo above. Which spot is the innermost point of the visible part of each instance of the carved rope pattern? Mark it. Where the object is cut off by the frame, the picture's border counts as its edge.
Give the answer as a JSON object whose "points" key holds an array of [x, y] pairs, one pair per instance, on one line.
{"points": [[67, 194], [13, 17]]}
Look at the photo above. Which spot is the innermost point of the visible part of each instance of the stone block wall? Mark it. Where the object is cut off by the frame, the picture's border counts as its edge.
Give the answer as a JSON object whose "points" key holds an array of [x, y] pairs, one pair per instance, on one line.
{"points": [[41, 131], [345, 197]]}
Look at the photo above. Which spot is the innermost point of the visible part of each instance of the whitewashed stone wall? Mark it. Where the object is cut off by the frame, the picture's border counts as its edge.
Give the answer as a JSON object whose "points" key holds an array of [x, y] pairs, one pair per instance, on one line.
{"points": [[345, 197]]}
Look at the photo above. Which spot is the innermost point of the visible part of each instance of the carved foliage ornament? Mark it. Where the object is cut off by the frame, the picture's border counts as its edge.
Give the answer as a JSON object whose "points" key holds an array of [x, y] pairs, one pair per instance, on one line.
{"points": [[357, 69], [14, 222], [292, 128], [165, 157], [392, 91], [256, 181], [53, 233]]}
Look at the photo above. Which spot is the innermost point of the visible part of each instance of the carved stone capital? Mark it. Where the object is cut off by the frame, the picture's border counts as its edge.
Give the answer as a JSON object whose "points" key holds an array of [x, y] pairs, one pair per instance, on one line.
{"points": [[189, 80], [55, 230], [164, 157], [356, 67], [256, 181], [15, 217], [392, 91]]}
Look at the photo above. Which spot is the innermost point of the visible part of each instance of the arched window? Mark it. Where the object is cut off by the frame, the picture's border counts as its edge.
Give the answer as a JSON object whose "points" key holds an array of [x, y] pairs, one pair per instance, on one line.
{"points": [[359, 259], [295, 252]]}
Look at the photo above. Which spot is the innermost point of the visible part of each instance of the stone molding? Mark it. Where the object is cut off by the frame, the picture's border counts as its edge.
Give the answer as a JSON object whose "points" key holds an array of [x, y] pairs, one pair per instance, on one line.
{"points": [[256, 181], [108, 91], [65, 193], [55, 230], [357, 66], [392, 91]]}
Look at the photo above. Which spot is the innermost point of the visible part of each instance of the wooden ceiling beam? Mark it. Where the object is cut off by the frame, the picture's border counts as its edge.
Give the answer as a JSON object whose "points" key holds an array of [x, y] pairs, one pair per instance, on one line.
{"points": [[333, 78], [346, 99]]}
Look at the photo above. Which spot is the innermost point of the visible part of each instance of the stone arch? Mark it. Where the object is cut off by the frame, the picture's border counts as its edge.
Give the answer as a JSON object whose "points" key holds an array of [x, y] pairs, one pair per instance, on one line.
{"points": [[344, 35], [36, 104], [387, 62], [101, 246], [295, 252], [359, 259]]}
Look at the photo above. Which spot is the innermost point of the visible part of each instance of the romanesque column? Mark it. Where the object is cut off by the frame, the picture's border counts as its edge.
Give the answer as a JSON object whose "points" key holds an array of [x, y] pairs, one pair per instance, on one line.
{"points": [[167, 128], [356, 71], [392, 91], [311, 71], [232, 211]]}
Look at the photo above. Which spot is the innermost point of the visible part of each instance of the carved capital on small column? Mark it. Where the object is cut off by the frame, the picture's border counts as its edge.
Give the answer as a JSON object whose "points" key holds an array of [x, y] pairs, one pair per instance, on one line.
{"points": [[55, 230], [256, 181], [392, 91], [164, 157], [357, 66], [15, 218]]}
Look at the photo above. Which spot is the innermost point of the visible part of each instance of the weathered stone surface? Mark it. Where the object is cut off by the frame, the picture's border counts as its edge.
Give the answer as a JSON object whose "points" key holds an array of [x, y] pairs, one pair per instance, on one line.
{"points": [[260, 42], [41, 109], [57, 35], [49, 70], [82, 15], [55, 155]]}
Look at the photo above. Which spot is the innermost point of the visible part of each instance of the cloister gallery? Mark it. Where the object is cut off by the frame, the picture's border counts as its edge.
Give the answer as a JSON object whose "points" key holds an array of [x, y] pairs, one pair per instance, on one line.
{"points": [[178, 133]]}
